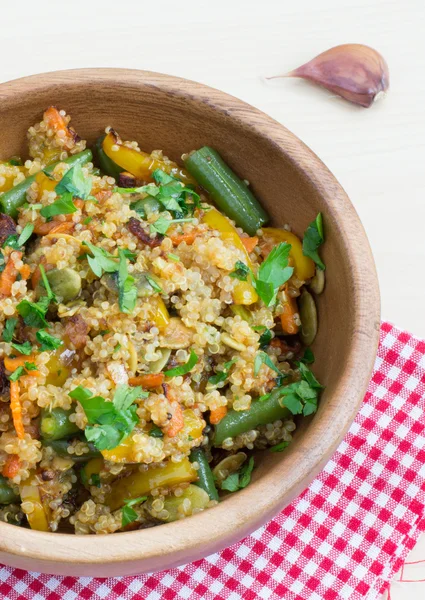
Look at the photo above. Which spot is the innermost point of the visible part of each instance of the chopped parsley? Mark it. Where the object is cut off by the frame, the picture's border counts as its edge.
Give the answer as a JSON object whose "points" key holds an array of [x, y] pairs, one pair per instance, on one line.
{"points": [[280, 447], [264, 358], [129, 515], [109, 422], [34, 313], [16, 242], [117, 347], [62, 206], [162, 224], [313, 239], [265, 337], [30, 366], [308, 357], [17, 374], [183, 369], [222, 375], [74, 183], [151, 189], [156, 432], [8, 330], [301, 396], [241, 271], [273, 273], [127, 291], [101, 261], [24, 348], [132, 256], [87, 220], [240, 479], [153, 283], [47, 341]]}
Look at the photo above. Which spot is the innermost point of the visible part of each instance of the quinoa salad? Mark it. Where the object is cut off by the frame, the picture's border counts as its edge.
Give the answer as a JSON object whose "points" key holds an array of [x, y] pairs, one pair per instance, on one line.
{"points": [[154, 332]]}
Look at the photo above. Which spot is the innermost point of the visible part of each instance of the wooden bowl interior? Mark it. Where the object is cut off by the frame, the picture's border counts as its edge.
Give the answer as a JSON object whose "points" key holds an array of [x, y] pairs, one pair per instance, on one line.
{"points": [[294, 186]]}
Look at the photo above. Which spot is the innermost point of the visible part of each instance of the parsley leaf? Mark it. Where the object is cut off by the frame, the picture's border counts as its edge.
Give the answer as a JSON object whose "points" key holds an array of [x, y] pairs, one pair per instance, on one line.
{"points": [[34, 313], [12, 242], [263, 358], [30, 366], [162, 224], [279, 447], [313, 238], [9, 328], [132, 256], [301, 397], [238, 481], [222, 375], [47, 341], [24, 348], [127, 291], [62, 206], [183, 369], [273, 273], [109, 422], [74, 183], [156, 432], [265, 337], [129, 515], [153, 283], [26, 234], [101, 261], [50, 295], [308, 357], [17, 374], [151, 189], [241, 271]]}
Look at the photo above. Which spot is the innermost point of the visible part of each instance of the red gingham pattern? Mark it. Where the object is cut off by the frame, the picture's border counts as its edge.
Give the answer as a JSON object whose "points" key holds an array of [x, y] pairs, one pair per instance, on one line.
{"points": [[342, 539]]}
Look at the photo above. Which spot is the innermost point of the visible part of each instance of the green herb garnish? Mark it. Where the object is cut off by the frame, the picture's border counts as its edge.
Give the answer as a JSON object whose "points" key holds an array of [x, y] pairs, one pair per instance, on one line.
{"points": [[87, 220], [241, 271], [153, 283], [183, 369], [8, 330], [265, 337], [30, 366], [16, 242], [128, 514], [117, 347], [162, 224], [156, 432], [47, 341], [238, 481], [308, 357], [264, 358], [174, 257], [279, 447], [127, 291], [74, 183], [273, 273], [17, 374], [222, 375], [313, 238], [101, 261], [24, 348], [301, 397], [62, 206]]}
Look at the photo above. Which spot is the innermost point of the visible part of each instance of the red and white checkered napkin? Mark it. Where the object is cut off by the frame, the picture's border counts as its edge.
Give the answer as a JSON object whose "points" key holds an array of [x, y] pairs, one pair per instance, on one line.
{"points": [[343, 538]]}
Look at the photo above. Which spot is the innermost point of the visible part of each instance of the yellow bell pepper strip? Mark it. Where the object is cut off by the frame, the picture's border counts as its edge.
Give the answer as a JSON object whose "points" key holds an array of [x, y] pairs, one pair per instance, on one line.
{"points": [[142, 483], [39, 517], [158, 312], [304, 267], [139, 164], [44, 183], [244, 292]]}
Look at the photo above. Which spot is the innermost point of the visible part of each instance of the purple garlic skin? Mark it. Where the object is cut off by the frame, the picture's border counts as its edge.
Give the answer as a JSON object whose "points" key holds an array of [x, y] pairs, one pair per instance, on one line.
{"points": [[355, 72]]}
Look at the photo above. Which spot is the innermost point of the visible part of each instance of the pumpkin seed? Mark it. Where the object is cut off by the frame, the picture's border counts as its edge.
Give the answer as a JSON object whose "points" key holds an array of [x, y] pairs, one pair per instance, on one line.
{"points": [[308, 316], [318, 282], [192, 500], [227, 466]]}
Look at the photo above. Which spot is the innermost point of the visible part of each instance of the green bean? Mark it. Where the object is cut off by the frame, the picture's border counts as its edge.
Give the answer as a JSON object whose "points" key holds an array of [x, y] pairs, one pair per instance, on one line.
{"points": [[261, 412], [55, 424], [230, 193], [106, 164], [11, 200], [61, 449], [206, 478], [7, 495]]}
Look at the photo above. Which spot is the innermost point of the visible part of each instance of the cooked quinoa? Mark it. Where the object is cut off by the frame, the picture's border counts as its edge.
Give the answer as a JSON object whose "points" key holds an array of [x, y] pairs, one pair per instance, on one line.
{"points": [[149, 346]]}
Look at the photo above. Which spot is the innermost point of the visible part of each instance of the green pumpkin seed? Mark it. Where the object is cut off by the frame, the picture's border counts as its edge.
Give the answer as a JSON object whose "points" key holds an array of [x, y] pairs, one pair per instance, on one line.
{"points": [[308, 316], [227, 466], [192, 500], [318, 282]]}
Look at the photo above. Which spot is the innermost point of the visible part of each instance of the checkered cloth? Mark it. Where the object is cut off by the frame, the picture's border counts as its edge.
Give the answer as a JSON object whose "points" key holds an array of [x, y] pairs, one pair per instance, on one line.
{"points": [[343, 538]]}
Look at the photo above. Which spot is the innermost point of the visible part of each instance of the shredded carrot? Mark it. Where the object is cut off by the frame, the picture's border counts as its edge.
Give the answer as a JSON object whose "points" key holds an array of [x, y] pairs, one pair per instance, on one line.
{"points": [[176, 422], [217, 414], [189, 238], [64, 227], [25, 272], [54, 226], [102, 195], [287, 317], [78, 203], [249, 243], [16, 409], [12, 466], [8, 277], [11, 364], [54, 119], [150, 380]]}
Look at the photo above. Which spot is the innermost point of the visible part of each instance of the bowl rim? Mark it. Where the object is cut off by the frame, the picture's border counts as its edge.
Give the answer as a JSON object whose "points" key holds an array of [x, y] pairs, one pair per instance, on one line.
{"points": [[168, 546]]}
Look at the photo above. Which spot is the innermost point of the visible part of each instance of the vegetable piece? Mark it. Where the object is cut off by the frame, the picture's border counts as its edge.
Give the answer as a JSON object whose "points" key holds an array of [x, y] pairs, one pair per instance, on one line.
{"points": [[355, 72], [140, 164], [8, 277], [39, 516], [158, 313], [7, 494], [243, 293], [317, 284], [288, 314], [249, 243], [55, 424], [65, 284], [183, 369], [61, 448], [176, 423], [105, 164], [308, 316], [242, 312], [313, 238], [16, 409], [149, 381], [303, 265], [143, 482], [176, 506], [230, 464], [12, 466], [205, 476], [260, 413], [230, 193], [273, 273], [52, 227], [14, 198], [90, 470], [280, 447], [238, 481]]}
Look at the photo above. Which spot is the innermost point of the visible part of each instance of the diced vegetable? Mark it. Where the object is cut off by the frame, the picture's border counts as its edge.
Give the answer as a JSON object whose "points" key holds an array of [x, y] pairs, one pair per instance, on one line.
{"points": [[304, 267], [11, 200], [106, 164], [143, 482], [205, 476], [55, 424], [39, 516], [231, 194], [260, 413], [175, 506], [288, 315]]}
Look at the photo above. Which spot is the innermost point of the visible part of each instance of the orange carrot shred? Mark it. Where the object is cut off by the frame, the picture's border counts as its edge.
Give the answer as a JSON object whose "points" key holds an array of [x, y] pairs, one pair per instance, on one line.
{"points": [[8, 277], [11, 364], [287, 317], [189, 238], [249, 243], [176, 422], [25, 272], [54, 119], [12, 466], [150, 380], [16, 409], [217, 414]]}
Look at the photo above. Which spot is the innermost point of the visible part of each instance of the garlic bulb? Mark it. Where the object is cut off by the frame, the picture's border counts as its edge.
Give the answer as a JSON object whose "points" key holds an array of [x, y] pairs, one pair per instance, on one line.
{"points": [[355, 72]]}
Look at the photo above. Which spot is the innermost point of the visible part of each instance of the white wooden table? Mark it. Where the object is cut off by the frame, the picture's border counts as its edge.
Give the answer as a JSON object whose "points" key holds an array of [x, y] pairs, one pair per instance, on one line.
{"points": [[378, 154]]}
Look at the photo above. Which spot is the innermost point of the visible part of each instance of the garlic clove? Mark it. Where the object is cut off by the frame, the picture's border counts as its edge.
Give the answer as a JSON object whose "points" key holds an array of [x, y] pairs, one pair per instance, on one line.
{"points": [[355, 72]]}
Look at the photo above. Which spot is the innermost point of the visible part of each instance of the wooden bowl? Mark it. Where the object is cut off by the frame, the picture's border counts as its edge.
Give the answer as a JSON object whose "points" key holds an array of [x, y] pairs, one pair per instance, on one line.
{"points": [[293, 184]]}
